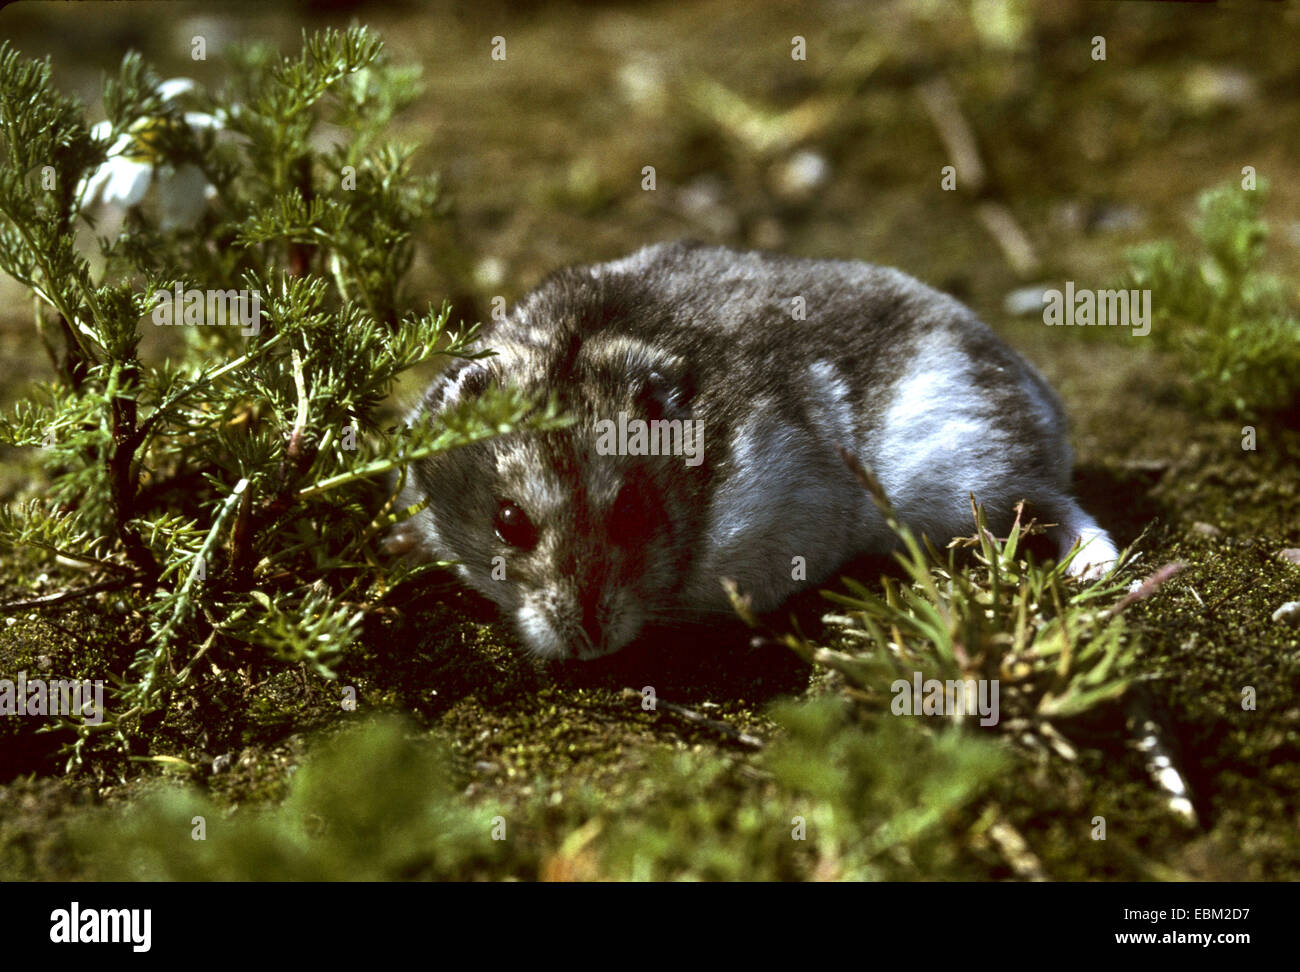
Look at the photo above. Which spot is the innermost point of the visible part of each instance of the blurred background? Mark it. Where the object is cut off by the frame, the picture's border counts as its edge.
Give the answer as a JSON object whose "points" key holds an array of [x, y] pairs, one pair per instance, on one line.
{"points": [[1062, 159]]}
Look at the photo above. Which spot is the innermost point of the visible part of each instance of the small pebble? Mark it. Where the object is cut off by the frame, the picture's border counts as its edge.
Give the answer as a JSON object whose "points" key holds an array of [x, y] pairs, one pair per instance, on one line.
{"points": [[1208, 87], [704, 200], [642, 83], [1025, 301], [221, 763], [799, 177], [1288, 613], [1112, 218], [701, 194], [1071, 216], [1291, 555], [1206, 529], [489, 272]]}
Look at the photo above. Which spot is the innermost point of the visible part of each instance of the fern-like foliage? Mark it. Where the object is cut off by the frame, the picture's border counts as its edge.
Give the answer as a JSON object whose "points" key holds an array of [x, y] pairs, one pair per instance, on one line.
{"points": [[1235, 326], [234, 484]]}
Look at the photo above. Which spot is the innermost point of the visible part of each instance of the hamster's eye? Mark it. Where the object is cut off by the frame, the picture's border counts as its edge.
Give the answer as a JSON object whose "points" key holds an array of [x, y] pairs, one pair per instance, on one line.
{"points": [[513, 526]]}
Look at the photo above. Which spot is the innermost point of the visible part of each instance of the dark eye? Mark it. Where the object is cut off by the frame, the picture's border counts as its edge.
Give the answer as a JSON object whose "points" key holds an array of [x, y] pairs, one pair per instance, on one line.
{"points": [[513, 526]]}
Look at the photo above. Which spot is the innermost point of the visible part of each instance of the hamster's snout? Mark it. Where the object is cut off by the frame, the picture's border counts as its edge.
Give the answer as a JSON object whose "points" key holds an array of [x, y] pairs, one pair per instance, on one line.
{"points": [[564, 621]]}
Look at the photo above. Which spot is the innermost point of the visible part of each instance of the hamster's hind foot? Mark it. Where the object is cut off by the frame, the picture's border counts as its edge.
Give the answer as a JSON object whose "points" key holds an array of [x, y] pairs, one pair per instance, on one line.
{"points": [[1097, 555]]}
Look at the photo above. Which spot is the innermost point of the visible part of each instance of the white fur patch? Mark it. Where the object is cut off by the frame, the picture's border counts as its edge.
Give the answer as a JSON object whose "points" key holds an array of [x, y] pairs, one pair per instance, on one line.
{"points": [[777, 503], [830, 396], [538, 632], [543, 495], [632, 263], [936, 444], [763, 475]]}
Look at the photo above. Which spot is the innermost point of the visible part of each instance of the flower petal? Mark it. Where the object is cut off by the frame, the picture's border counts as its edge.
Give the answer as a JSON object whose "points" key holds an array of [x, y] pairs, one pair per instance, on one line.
{"points": [[121, 145], [172, 88], [128, 181], [89, 187], [199, 119]]}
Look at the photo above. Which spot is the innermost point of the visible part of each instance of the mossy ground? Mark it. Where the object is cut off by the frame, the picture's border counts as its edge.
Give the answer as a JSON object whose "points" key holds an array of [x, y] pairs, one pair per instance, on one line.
{"points": [[545, 172]]}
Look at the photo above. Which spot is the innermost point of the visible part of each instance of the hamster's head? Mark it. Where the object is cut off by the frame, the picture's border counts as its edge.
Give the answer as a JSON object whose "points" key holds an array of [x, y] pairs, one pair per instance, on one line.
{"points": [[579, 543]]}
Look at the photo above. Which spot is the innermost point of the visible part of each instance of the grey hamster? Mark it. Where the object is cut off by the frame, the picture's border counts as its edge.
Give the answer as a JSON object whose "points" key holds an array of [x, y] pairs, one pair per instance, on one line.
{"points": [[704, 347]]}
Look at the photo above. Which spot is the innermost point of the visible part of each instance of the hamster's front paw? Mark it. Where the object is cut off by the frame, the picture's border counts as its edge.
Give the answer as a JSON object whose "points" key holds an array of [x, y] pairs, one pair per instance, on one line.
{"points": [[401, 540]]}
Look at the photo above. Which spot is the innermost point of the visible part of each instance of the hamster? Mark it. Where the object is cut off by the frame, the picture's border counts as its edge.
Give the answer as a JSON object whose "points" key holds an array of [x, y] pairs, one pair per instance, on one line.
{"points": [[713, 390]]}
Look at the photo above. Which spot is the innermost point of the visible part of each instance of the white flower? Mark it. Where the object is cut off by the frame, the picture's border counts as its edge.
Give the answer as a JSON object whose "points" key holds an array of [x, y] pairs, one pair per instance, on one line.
{"points": [[121, 180], [133, 164], [174, 87]]}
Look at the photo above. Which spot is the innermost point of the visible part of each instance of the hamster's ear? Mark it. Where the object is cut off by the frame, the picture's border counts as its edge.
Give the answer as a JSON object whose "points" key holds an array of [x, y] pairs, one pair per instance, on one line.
{"points": [[666, 393], [465, 379]]}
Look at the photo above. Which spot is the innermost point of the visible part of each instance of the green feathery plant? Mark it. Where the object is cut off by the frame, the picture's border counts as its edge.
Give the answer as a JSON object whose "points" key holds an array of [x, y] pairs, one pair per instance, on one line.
{"points": [[378, 803], [1056, 647], [1236, 327], [233, 484]]}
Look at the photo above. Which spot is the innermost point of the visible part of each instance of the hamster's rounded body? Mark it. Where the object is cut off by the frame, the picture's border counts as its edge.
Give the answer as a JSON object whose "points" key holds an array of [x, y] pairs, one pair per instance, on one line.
{"points": [[776, 363]]}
